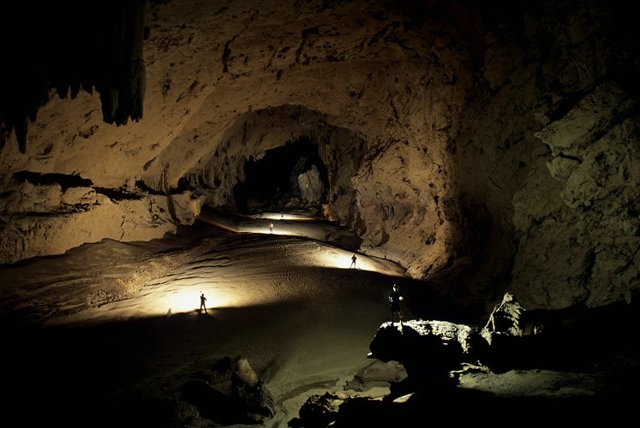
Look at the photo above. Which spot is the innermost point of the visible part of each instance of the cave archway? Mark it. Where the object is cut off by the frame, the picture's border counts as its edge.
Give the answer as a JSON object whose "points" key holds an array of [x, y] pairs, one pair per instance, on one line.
{"points": [[292, 177]]}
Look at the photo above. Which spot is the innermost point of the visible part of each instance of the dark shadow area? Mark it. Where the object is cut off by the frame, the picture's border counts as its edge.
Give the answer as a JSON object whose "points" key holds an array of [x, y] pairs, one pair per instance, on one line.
{"points": [[64, 180], [574, 339], [426, 301], [273, 183], [119, 194], [465, 407], [116, 373], [580, 338]]}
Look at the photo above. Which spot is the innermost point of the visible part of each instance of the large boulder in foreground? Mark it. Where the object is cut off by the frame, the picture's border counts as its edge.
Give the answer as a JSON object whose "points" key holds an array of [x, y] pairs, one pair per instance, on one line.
{"points": [[429, 349]]}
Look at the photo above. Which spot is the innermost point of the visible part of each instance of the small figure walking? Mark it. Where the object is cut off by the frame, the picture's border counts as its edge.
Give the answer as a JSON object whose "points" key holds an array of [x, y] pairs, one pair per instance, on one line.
{"points": [[353, 261], [394, 299], [202, 303], [270, 227]]}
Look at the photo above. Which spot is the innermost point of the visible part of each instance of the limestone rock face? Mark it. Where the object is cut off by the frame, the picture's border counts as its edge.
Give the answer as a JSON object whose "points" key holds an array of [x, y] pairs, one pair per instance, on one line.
{"points": [[550, 151], [591, 207], [484, 149], [310, 186], [46, 234], [45, 219]]}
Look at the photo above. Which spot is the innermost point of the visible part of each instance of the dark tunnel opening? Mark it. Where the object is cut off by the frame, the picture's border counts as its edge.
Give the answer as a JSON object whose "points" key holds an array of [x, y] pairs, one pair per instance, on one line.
{"points": [[292, 177], [64, 180]]}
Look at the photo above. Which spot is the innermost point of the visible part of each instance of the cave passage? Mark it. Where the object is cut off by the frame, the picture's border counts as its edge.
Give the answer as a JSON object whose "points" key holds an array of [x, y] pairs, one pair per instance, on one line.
{"points": [[290, 177]]}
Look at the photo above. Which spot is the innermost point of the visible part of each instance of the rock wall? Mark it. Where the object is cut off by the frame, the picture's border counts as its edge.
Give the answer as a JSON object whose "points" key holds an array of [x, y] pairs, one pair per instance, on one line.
{"points": [[45, 219], [549, 146], [580, 242]]}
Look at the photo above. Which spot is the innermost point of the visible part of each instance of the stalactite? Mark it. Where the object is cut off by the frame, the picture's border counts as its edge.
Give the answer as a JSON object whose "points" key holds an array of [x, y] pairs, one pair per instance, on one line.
{"points": [[163, 181], [122, 91], [98, 46]]}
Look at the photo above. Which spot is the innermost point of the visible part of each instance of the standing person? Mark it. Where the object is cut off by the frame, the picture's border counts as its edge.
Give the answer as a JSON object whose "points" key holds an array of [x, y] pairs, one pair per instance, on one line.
{"points": [[353, 261], [202, 303], [394, 299], [270, 227]]}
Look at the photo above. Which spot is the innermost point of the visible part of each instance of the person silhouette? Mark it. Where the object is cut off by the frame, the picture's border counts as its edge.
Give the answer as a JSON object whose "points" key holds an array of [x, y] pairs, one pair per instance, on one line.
{"points": [[394, 299], [353, 261], [270, 227], [202, 303]]}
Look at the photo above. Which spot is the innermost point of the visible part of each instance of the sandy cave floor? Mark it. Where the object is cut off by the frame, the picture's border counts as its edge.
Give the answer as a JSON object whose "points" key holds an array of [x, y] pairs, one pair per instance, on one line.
{"points": [[120, 319], [110, 325]]}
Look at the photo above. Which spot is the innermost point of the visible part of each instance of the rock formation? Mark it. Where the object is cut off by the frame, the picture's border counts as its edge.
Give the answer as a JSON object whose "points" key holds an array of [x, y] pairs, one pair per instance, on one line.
{"points": [[505, 317], [569, 370], [429, 350], [484, 148], [232, 395]]}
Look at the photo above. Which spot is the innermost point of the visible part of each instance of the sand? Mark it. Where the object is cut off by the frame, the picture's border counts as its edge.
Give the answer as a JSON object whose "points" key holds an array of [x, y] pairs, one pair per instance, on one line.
{"points": [[118, 322]]}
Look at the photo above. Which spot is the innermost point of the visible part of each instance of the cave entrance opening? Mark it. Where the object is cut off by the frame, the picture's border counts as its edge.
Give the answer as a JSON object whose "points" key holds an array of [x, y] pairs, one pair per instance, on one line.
{"points": [[289, 178]]}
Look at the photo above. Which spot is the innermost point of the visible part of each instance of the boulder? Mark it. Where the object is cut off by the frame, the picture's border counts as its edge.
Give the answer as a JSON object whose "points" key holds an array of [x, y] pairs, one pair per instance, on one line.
{"points": [[429, 350], [318, 411], [231, 394]]}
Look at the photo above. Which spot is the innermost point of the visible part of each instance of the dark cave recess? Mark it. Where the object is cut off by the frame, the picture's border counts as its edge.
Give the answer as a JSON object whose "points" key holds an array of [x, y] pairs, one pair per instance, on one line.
{"points": [[272, 182]]}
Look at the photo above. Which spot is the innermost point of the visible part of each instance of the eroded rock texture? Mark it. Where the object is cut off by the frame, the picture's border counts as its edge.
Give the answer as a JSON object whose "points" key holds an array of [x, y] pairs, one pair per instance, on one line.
{"points": [[231, 394], [484, 148]]}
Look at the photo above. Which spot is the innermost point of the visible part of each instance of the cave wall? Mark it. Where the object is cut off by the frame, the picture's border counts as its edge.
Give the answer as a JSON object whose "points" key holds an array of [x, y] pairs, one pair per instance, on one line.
{"points": [[483, 148], [579, 243], [550, 145], [45, 219]]}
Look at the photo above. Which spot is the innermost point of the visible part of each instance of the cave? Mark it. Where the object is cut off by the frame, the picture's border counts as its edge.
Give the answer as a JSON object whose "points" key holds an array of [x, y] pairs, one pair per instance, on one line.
{"points": [[289, 177], [204, 207]]}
